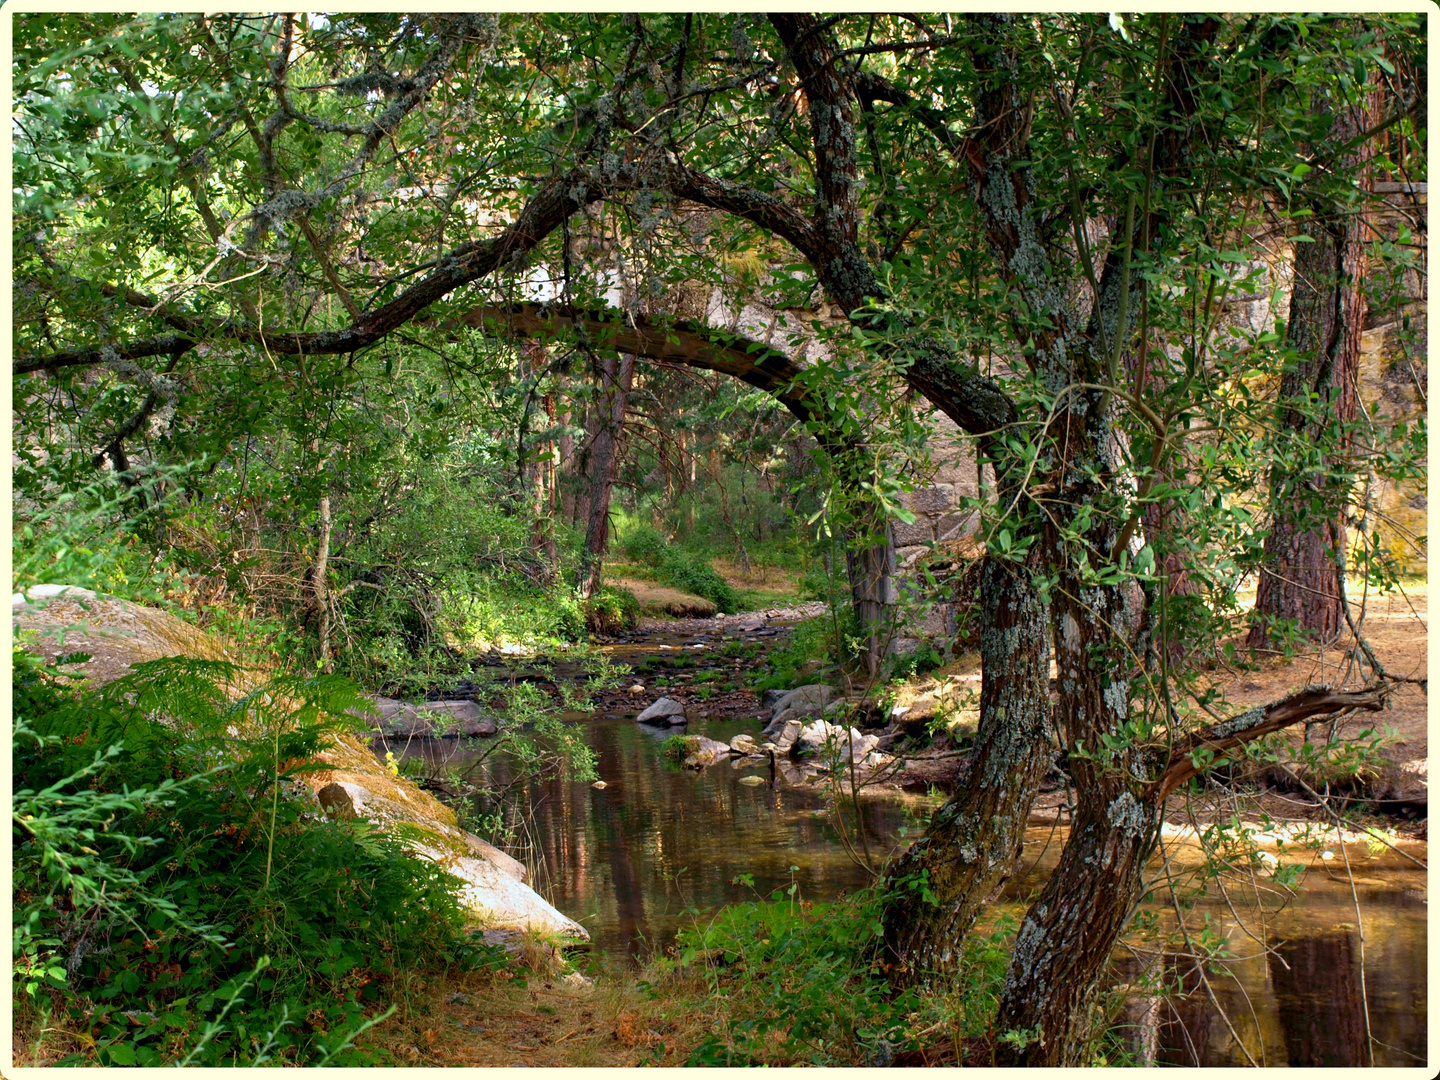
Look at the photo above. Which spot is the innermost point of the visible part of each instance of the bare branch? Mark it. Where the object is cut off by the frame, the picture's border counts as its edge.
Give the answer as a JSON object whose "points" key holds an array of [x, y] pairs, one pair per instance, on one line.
{"points": [[1250, 725]]}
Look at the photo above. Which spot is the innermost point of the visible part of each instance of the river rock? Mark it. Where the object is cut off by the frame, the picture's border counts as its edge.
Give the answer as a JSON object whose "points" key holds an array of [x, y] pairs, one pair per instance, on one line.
{"points": [[786, 736], [819, 737], [705, 752], [808, 699], [463, 716], [664, 711], [770, 697], [744, 745], [751, 780]]}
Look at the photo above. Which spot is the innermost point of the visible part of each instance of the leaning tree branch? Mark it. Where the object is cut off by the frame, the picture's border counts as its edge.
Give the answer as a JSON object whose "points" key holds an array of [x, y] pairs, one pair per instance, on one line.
{"points": [[679, 341], [165, 345], [1217, 739]]}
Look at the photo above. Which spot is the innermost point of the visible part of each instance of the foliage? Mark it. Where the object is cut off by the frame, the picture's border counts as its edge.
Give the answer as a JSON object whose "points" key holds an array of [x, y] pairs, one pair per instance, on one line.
{"points": [[213, 917], [612, 610], [678, 567], [819, 640], [797, 985], [677, 748]]}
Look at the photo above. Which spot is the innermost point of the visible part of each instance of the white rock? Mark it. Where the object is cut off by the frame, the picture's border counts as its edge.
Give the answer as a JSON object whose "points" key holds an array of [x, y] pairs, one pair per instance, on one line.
{"points": [[498, 899], [706, 752], [69, 592], [743, 744]]}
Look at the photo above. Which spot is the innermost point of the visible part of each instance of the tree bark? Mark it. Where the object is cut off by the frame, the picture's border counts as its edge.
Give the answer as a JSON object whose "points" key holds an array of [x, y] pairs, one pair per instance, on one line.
{"points": [[871, 571], [935, 890], [319, 587], [1297, 583], [617, 376]]}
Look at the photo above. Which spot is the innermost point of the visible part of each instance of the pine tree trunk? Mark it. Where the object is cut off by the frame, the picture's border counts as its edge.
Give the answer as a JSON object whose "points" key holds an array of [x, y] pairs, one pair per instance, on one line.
{"points": [[1327, 313], [319, 588], [617, 379]]}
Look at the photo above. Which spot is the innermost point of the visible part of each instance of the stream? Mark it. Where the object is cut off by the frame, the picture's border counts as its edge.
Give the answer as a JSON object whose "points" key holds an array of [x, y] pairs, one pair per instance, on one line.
{"points": [[659, 846]]}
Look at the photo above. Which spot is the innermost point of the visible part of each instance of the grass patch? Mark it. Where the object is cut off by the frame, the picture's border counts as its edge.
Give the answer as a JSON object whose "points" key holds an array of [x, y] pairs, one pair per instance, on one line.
{"points": [[677, 567]]}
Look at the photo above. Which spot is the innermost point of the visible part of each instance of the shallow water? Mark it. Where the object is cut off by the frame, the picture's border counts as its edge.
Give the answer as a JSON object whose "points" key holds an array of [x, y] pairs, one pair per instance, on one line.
{"points": [[660, 846]]}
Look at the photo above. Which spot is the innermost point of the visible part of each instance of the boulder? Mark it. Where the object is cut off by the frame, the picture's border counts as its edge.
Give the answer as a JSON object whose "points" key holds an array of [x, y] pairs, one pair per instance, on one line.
{"points": [[341, 800], [482, 728], [770, 697], [452, 719], [492, 892], [706, 752], [786, 736], [807, 700], [454, 710], [744, 745], [779, 720], [664, 711], [823, 738]]}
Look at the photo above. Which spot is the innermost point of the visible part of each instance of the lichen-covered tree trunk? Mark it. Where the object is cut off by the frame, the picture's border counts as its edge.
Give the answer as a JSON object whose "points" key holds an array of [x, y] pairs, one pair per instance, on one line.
{"points": [[617, 378], [935, 890], [1068, 933], [1065, 941]]}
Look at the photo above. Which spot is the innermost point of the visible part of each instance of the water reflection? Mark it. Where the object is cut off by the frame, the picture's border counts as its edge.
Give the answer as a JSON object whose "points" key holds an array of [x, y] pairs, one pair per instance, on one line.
{"points": [[634, 861], [659, 847]]}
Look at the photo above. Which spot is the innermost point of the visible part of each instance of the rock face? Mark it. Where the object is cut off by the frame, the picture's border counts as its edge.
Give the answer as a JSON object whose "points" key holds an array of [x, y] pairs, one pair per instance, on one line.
{"points": [[665, 711], [350, 782]]}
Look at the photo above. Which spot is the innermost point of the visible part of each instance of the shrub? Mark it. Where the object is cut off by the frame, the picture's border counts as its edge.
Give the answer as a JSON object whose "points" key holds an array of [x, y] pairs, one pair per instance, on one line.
{"points": [[213, 917], [612, 610], [678, 747], [679, 568]]}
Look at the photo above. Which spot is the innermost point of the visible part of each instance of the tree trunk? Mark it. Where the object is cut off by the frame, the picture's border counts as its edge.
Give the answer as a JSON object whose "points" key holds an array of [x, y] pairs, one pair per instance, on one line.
{"points": [[1065, 941], [542, 534], [565, 480], [617, 378], [935, 890], [1327, 312], [319, 588], [871, 571]]}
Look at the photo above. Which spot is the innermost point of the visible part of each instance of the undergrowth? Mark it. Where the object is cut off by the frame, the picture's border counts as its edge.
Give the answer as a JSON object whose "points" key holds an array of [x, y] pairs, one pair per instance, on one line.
{"points": [[679, 568], [797, 983], [178, 899]]}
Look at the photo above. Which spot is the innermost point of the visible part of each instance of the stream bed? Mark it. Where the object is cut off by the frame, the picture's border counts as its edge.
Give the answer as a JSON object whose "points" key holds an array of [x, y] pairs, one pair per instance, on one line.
{"points": [[659, 846]]}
